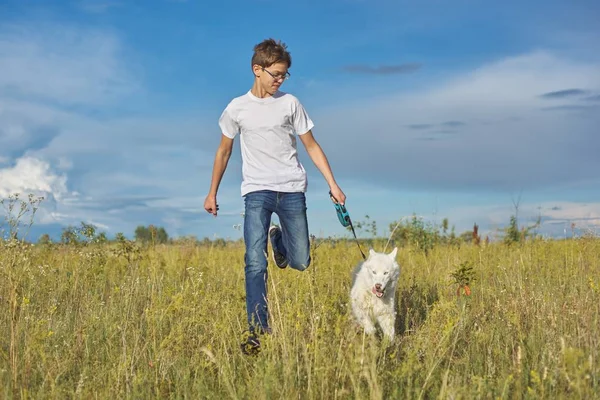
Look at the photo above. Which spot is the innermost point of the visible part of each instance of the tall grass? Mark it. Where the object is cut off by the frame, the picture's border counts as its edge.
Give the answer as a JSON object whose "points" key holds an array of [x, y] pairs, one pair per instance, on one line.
{"points": [[121, 321]]}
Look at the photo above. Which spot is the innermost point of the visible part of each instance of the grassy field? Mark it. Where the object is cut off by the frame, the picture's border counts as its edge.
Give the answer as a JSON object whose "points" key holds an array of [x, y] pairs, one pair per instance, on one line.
{"points": [[118, 321]]}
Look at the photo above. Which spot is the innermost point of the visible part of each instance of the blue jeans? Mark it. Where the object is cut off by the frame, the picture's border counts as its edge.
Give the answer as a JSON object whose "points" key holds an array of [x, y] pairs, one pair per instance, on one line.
{"points": [[293, 243]]}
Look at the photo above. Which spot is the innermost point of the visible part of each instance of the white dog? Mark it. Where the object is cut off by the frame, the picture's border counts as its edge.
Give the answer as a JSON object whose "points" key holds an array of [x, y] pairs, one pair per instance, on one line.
{"points": [[373, 292]]}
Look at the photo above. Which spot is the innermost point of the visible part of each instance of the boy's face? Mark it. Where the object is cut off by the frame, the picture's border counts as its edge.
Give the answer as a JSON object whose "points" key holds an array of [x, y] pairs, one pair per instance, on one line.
{"points": [[272, 77]]}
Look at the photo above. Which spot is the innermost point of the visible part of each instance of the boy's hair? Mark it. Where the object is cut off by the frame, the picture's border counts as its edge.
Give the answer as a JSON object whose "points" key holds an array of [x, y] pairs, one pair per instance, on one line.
{"points": [[269, 52]]}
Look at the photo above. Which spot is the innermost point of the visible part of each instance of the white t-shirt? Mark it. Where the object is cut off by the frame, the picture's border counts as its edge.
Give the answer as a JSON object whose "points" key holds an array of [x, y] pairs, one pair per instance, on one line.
{"points": [[268, 128]]}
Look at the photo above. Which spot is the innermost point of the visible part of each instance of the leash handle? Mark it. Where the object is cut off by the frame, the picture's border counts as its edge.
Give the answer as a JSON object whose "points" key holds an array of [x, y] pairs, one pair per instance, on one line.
{"points": [[342, 213], [345, 220]]}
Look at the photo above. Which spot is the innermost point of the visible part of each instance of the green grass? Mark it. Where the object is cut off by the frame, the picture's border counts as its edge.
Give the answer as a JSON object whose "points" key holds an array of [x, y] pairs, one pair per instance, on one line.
{"points": [[100, 321]]}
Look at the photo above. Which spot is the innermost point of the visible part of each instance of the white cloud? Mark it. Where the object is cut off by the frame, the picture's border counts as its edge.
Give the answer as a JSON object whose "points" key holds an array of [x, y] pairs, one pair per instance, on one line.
{"points": [[31, 175]]}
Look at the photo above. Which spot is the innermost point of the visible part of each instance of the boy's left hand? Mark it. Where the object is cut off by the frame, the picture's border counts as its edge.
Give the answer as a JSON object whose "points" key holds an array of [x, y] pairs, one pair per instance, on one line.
{"points": [[338, 194]]}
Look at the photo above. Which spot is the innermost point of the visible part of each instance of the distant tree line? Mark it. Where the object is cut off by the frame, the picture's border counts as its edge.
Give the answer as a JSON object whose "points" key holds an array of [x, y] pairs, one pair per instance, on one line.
{"points": [[88, 233], [151, 234], [413, 231]]}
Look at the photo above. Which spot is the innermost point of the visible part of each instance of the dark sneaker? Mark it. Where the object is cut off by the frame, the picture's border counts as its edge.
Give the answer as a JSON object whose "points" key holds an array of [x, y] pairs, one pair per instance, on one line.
{"points": [[279, 258], [251, 346]]}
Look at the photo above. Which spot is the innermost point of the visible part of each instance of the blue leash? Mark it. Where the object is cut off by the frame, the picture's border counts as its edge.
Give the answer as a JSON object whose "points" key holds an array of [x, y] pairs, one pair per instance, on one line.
{"points": [[345, 220]]}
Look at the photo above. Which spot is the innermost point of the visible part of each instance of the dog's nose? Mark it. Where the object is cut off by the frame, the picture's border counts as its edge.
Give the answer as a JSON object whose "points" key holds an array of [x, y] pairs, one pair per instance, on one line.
{"points": [[378, 286]]}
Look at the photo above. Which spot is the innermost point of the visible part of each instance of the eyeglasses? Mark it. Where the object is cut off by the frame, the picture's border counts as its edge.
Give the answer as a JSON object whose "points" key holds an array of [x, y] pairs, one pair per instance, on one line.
{"points": [[277, 77]]}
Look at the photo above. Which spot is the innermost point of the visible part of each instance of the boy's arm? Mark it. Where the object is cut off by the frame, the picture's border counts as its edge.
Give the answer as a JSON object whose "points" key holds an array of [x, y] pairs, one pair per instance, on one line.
{"points": [[219, 166], [317, 155]]}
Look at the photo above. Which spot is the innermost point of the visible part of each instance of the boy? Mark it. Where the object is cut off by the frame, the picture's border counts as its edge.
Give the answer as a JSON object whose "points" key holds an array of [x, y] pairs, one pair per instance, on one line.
{"points": [[273, 179]]}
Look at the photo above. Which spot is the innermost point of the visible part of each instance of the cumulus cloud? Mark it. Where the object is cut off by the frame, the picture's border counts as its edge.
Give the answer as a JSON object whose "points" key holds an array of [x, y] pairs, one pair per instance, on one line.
{"points": [[31, 175]]}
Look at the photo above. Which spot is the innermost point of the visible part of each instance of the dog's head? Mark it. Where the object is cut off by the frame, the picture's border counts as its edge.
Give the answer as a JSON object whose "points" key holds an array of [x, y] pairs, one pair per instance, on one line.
{"points": [[383, 270]]}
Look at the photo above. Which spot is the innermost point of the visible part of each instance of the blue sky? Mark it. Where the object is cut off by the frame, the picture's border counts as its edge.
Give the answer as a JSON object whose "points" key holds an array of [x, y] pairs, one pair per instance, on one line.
{"points": [[457, 109]]}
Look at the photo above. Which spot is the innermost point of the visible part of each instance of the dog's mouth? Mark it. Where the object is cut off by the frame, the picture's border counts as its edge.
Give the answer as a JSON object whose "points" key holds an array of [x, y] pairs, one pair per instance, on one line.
{"points": [[378, 291]]}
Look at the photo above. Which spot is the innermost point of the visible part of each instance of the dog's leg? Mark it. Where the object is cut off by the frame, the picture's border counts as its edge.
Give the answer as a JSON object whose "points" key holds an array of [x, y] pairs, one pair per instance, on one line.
{"points": [[363, 318], [367, 325], [386, 322]]}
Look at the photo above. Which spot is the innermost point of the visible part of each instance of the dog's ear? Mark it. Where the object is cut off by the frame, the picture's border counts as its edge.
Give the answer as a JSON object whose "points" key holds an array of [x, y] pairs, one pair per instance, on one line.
{"points": [[371, 252], [393, 253]]}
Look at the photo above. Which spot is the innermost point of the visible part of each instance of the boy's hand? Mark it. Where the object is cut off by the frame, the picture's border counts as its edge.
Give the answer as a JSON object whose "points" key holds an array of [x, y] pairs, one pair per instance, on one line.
{"points": [[210, 205], [338, 194]]}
